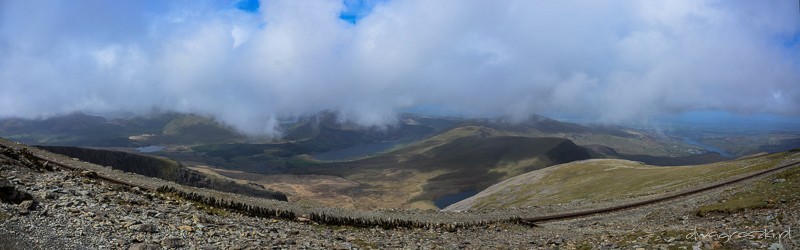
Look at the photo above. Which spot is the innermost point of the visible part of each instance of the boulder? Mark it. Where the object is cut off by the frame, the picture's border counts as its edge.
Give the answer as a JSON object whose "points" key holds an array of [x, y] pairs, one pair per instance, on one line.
{"points": [[10, 194]]}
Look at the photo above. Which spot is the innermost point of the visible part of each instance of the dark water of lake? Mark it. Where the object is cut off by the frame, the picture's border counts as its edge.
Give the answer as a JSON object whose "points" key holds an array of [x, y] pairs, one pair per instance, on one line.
{"points": [[356, 151], [150, 149], [707, 147], [450, 199]]}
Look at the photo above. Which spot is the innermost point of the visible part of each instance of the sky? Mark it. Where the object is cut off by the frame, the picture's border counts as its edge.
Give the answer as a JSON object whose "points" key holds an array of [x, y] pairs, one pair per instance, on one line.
{"points": [[250, 63]]}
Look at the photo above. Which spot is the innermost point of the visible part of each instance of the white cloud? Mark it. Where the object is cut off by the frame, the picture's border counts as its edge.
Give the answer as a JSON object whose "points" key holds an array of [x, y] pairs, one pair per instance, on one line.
{"points": [[609, 61]]}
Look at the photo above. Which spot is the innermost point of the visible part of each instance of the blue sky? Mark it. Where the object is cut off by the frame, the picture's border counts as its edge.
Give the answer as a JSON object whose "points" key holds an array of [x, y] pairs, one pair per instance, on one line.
{"points": [[353, 10], [248, 63], [248, 5]]}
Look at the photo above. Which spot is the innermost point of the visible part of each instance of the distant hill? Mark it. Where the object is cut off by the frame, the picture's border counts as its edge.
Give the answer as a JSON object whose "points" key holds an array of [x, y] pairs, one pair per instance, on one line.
{"points": [[541, 125], [80, 129], [316, 134], [599, 151], [325, 131], [624, 141], [606, 180]]}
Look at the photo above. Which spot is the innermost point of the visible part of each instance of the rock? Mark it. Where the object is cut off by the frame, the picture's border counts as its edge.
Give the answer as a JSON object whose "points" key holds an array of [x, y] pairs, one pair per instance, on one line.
{"points": [[147, 228], [776, 246], [186, 228], [49, 195], [10, 194], [556, 242], [172, 243], [344, 246], [144, 246], [28, 205], [90, 174], [778, 180]]}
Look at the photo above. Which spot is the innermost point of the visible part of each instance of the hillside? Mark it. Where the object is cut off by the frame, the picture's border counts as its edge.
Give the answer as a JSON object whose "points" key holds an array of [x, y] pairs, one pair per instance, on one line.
{"points": [[608, 181], [45, 206], [608, 141], [462, 159], [163, 168]]}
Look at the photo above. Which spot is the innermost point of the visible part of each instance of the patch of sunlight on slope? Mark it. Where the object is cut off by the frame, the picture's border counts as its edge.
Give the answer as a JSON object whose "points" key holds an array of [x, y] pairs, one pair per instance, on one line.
{"points": [[603, 180]]}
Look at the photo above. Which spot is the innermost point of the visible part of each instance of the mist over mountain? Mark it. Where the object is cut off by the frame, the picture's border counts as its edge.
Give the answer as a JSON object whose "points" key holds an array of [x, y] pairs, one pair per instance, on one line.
{"points": [[611, 61]]}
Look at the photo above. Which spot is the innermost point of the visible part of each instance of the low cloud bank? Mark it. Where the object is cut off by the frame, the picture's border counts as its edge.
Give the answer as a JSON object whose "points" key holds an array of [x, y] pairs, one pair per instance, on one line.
{"points": [[610, 61]]}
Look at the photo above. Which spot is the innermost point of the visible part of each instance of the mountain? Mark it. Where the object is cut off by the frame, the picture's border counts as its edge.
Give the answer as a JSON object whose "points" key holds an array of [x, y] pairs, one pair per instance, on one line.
{"points": [[80, 129], [422, 161], [459, 160], [325, 131], [466, 156], [76, 205], [609, 181]]}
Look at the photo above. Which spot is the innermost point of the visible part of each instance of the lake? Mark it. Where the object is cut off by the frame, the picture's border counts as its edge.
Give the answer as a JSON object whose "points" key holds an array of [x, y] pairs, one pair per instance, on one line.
{"points": [[450, 199], [150, 149], [707, 147], [356, 151]]}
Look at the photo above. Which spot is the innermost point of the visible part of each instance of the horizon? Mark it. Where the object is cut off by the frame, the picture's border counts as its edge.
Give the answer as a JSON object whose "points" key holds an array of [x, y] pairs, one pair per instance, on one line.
{"points": [[693, 122]]}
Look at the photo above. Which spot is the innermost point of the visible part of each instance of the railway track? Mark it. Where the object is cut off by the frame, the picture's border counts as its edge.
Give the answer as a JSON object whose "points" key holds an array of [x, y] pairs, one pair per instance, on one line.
{"points": [[600, 211], [531, 221]]}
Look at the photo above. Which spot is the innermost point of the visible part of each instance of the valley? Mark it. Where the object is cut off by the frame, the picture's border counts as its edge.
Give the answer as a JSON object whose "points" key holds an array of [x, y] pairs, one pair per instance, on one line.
{"points": [[423, 163], [144, 216]]}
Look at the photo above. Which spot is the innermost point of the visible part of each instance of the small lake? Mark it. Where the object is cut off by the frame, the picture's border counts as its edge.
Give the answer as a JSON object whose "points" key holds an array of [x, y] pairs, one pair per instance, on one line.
{"points": [[707, 147], [450, 199], [150, 149], [356, 151]]}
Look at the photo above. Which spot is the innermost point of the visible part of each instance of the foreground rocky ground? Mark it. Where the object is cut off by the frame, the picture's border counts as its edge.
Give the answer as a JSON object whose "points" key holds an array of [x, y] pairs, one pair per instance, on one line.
{"points": [[45, 207]]}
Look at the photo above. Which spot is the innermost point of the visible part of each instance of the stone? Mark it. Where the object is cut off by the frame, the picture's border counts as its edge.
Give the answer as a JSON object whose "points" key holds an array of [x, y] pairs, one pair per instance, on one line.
{"points": [[147, 228], [776, 246], [10, 194], [49, 195], [186, 228], [28, 205], [144, 246], [344, 246], [172, 243], [90, 174]]}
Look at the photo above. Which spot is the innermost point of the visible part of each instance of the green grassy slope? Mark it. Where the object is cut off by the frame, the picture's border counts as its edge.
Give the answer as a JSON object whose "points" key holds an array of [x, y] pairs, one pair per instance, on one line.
{"points": [[607, 180], [781, 188]]}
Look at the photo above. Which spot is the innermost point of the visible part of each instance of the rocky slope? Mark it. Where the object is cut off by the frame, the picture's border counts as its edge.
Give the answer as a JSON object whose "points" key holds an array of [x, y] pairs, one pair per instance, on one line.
{"points": [[52, 207], [163, 168]]}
